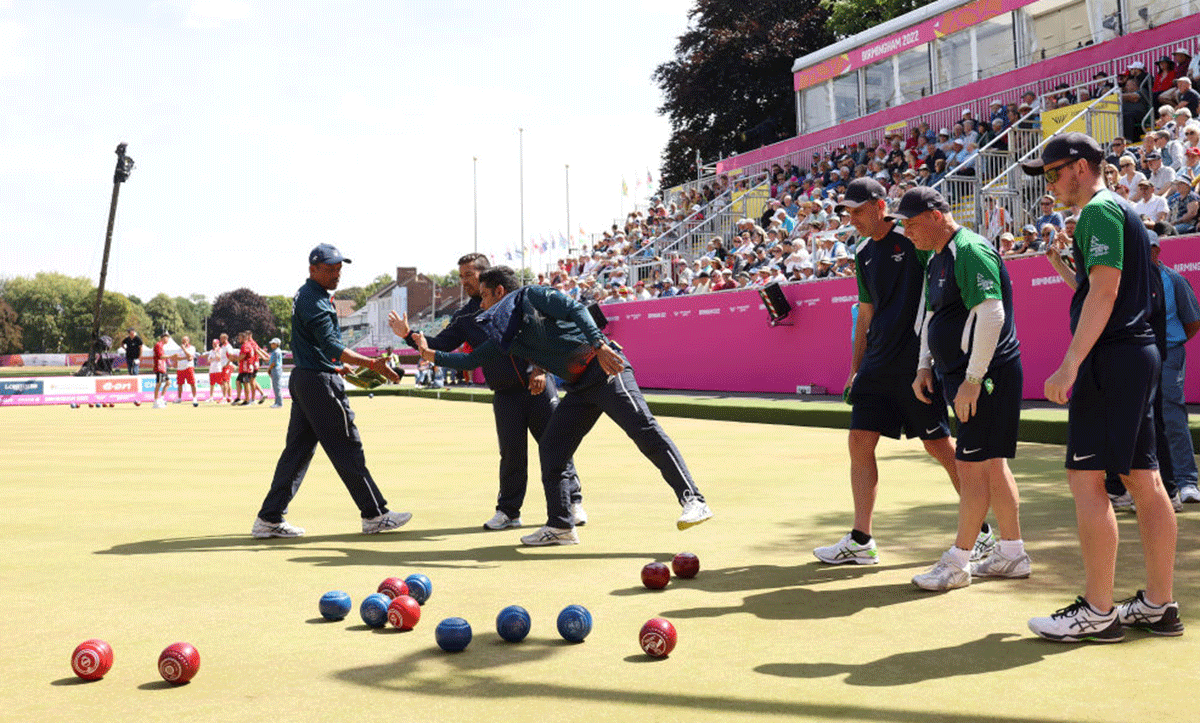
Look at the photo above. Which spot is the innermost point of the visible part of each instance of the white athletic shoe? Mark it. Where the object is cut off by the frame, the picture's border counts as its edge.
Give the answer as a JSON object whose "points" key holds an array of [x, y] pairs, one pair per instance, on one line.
{"points": [[984, 544], [997, 565], [579, 514], [385, 522], [1158, 619], [551, 536], [1189, 494], [694, 512], [847, 550], [945, 575], [1080, 622], [1122, 503], [263, 529], [1177, 501], [501, 521]]}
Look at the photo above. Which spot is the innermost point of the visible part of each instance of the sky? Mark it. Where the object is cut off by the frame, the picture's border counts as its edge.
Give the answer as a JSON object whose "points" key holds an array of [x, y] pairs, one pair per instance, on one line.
{"points": [[262, 128]]}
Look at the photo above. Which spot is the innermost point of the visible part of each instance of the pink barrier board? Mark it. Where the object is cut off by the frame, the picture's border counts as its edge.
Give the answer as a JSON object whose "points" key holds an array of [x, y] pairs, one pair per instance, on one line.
{"points": [[116, 389], [724, 341]]}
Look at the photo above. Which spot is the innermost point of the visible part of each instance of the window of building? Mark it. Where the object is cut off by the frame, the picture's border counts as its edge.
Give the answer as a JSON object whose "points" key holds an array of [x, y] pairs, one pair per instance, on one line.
{"points": [[954, 67], [845, 97], [814, 108], [994, 46], [879, 86], [914, 74]]}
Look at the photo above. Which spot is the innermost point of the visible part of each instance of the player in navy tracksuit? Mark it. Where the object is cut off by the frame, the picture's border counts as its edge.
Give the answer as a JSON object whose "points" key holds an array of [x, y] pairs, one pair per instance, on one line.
{"points": [[557, 333], [1113, 366], [523, 399]]}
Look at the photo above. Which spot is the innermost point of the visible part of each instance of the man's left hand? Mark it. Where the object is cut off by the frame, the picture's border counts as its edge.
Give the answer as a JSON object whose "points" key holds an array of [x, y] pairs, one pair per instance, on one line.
{"points": [[965, 400], [610, 360]]}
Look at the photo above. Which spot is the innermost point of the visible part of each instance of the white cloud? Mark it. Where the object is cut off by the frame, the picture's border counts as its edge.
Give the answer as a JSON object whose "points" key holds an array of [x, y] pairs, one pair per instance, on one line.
{"points": [[210, 13]]}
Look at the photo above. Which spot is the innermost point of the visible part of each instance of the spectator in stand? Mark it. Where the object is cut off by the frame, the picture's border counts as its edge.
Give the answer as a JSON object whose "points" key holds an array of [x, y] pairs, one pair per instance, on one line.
{"points": [[1191, 162], [996, 221], [1164, 82], [1046, 235], [1028, 241], [1049, 215], [1183, 120], [997, 112], [1161, 177], [1030, 99], [1128, 175], [1005, 244], [1151, 207], [969, 132], [703, 283], [1185, 205], [1134, 105], [1188, 96], [1102, 85], [939, 171]]}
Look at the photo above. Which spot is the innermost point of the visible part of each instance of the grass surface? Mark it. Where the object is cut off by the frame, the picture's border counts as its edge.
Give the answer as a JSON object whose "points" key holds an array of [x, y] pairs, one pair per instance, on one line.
{"points": [[132, 525]]}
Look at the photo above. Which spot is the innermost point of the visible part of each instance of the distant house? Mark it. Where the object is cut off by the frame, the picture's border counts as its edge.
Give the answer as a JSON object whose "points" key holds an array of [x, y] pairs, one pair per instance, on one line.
{"points": [[368, 326]]}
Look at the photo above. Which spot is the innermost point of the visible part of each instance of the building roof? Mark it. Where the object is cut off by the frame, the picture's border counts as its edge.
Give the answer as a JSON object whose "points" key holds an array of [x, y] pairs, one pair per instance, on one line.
{"points": [[345, 307]]}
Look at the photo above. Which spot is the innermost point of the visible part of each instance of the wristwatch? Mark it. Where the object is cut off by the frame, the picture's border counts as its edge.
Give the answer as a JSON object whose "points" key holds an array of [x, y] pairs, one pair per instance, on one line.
{"points": [[974, 380]]}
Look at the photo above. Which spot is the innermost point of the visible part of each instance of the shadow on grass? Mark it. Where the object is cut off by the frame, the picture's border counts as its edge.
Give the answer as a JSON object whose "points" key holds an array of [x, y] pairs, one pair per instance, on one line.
{"points": [[990, 654], [800, 603], [760, 577], [478, 676]]}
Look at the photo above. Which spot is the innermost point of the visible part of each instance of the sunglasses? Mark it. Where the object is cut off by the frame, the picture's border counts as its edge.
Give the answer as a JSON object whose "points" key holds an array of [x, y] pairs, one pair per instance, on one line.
{"points": [[1052, 174]]}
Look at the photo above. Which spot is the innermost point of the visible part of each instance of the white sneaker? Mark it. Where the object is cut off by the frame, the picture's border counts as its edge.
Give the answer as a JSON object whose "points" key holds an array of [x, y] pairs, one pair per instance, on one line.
{"points": [[551, 536], [847, 550], [1177, 502], [945, 575], [997, 565], [386, 521], [1080, 622], [1158, 619], [501, 521], [263, 529], [984, 544], [1122, 503], [1189, 494], [579, 514], [694, 512]]}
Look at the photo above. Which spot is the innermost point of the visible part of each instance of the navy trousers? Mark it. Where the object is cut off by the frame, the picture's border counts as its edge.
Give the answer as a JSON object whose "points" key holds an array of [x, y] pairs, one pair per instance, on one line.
{"points": [[321, 414], [519, 414]]}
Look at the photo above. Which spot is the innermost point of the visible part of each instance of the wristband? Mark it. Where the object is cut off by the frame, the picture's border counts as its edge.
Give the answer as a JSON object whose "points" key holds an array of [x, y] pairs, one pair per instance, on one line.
{"points": [[974, 380]]}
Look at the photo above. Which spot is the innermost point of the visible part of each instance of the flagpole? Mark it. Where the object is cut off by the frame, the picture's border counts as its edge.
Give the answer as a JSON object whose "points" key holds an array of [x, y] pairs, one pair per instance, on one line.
{"points": [[521, 165], [567, 170], [475, 187]]}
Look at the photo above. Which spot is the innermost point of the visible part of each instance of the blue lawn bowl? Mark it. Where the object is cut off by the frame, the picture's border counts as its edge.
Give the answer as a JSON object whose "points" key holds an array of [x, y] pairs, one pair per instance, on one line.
{"points": [[574, 623], [374, 609], [513, 623], [419, 587], [453, 635], [335, 605]]}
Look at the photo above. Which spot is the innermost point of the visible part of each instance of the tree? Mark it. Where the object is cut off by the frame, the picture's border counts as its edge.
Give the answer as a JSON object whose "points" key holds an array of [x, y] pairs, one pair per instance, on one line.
{"points": [[53, 310], [164, 315], [193, 310], [239, 310], [847, 17], [10, 330], [729, 88], [281, 310], [356, 294]]}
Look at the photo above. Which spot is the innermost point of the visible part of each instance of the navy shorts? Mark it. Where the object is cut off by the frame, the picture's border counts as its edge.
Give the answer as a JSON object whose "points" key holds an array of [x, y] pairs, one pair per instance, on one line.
{"points": [[992, 432], [161, 378], [1111, 412], [886, 404]]}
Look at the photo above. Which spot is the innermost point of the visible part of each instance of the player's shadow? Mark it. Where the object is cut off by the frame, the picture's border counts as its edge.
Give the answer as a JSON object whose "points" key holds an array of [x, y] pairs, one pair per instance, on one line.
{"points": [[761, 577], [990, 654], [239, 543], [799, 603]]}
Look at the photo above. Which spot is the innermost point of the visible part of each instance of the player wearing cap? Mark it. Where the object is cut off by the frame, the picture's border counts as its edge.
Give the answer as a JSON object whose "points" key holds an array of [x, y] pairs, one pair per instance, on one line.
{"points": [[886, 343], [1114, 367], [523, 398], [320, 411], [969, 341], [555, 332], [275, 370]]}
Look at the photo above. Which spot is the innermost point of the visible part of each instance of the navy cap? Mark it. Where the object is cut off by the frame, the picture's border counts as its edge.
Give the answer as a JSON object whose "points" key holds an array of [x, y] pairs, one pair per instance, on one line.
{"points": [[326, 254], [918, 200], [1065, 146], [860, 191]]}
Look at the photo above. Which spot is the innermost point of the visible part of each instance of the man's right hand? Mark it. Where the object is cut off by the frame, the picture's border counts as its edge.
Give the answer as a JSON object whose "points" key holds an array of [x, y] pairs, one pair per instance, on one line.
{"points": [[849, 386], [381, 366], [399, 324], [923, 385]]}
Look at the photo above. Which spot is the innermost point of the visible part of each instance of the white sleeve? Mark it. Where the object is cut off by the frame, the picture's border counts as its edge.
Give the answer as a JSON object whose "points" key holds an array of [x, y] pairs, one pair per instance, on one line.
{"points": [[989, 319], [925, 358]]}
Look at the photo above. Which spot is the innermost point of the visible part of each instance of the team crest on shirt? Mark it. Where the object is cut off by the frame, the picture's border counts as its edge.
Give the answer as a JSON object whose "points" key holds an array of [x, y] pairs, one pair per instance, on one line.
{"points": [[1097, 248], [984, 284], [897, 253], [942, 279]]}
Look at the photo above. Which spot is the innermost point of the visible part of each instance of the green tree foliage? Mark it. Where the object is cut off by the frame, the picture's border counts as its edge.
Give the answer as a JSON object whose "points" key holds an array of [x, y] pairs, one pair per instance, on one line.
{"points": [[360, 294], [241, 309], [193, 310], [729, 88], [847, 17], [281, 310], [10, 330], [164, 315], [55, 312]]}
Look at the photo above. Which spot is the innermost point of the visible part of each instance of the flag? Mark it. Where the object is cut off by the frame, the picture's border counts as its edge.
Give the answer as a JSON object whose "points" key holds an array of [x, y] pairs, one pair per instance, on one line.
{"points": [[508, 254], [562, 240], [649, 178], [624, 187]]}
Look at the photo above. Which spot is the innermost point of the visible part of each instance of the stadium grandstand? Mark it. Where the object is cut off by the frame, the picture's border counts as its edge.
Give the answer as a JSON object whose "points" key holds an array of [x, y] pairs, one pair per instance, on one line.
{"points": [[952, 95]]}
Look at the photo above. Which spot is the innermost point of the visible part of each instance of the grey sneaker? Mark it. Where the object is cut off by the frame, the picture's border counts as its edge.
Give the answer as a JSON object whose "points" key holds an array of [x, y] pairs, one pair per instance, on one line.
{"points": [[501, 521], [1122, 503], [997, 565], [1189, 494], [1080, 622], [1158, 619], [263, 529], [579, 514], [1177, 501], [551, 536], [984, 544], [694, 512], [945, 575], [847, 550], [386, 521]]}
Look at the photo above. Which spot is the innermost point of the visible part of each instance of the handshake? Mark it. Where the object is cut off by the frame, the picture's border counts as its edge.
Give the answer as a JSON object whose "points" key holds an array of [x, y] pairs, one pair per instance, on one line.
{"points": [[400, 327]]}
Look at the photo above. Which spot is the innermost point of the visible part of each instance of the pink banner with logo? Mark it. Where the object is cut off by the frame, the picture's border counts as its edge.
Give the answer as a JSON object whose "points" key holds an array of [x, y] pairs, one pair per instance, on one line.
{"points": [[725, 342], [947, 23]]}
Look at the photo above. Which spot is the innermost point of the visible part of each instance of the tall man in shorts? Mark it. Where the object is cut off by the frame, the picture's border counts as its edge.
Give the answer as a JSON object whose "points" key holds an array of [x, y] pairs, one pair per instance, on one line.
{"points": [[161, 381], [217, 376], [185, 370], [886, 343], [1114, 367], [969, 339]]}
